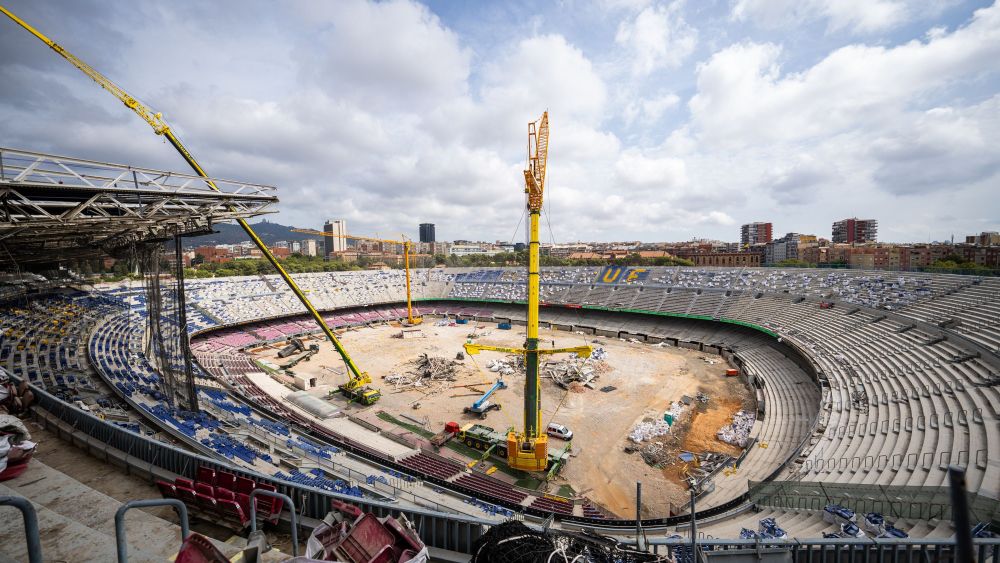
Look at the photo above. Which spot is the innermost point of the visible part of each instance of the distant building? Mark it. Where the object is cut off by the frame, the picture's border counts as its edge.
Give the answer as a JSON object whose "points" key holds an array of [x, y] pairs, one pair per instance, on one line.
{"points": [[755, 233], [986, 238], [335, 243], [785, 248], [470, 249], [854, 230], [723, 259], [212, 254], [309, 247], [427, 232]]}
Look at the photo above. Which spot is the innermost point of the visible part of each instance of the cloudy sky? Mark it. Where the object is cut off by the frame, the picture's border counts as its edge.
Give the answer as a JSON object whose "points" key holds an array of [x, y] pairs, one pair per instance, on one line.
{"points": [[670, 120]]}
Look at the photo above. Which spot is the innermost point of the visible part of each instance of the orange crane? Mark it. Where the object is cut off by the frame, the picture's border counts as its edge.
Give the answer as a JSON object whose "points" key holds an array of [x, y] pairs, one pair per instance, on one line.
{"points": [[410, 319]]}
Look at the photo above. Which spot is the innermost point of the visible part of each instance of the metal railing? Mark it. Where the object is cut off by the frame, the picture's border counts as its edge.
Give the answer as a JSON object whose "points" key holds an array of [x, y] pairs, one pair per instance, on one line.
{"points": [[121, 543], [30, 519]]}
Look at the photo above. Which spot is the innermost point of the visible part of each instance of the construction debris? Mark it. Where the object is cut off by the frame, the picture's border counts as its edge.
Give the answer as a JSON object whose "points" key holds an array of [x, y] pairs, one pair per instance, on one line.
{"points": [[426, 371], [608, 388], [645, 431], [581, 371], [507, 366], [737, 433]]}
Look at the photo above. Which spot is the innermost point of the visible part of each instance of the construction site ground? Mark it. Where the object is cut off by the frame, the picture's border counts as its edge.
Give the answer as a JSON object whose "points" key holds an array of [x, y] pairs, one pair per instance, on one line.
{"points": [[646, 379]]}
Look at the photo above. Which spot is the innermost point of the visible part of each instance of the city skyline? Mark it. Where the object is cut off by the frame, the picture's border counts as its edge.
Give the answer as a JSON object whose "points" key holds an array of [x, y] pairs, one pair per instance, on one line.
{"points": [[670, 120]]}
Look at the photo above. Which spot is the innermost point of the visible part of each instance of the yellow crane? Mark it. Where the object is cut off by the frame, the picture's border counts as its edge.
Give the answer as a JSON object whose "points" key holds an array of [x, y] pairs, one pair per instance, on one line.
{"points": [[410, 319], [528, 450], [358, 379]]}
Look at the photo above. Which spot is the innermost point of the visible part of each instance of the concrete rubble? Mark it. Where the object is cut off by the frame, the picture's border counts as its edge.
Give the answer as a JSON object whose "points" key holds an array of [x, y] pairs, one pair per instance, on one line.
{"points": [[737, 432], [577, 370], [426, 371], [507, 366]]}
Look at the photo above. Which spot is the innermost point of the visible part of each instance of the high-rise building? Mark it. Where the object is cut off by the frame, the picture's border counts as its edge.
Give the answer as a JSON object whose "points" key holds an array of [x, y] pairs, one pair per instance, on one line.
{"points": [[426, 232], [755, 233], [855, 230], [335, 243]]}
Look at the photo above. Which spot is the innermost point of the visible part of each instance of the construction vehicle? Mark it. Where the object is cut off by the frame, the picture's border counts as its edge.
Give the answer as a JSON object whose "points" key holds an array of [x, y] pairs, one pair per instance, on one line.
{"points": [[483, 406], [483, 438], [358, 378], [528, 449], [410, 319], [495, 443], [312, 351]]}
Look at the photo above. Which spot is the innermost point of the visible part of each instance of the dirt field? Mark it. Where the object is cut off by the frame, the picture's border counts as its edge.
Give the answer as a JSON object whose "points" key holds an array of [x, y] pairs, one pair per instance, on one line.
{"points": [[647, 379]]}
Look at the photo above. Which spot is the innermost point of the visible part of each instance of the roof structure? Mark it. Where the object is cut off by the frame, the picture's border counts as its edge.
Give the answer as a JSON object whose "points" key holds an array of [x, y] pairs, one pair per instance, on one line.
{"points": [[55, 207]]}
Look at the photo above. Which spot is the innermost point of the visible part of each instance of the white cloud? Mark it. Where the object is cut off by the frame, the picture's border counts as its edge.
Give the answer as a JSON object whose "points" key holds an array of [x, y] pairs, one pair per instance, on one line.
{"points": [[657, 38], [862, 16], [391, 55], [743, 97], [663, 175], [387, 115], [651, 109]]}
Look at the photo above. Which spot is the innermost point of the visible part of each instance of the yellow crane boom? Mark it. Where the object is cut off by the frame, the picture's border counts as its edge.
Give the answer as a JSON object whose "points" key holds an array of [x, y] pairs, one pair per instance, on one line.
{"points": [[155, 120], [406, 262], [528, 450]]}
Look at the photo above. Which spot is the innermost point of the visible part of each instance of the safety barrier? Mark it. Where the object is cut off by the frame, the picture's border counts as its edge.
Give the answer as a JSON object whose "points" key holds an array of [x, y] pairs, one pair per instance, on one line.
{"points": [[916, 503]]}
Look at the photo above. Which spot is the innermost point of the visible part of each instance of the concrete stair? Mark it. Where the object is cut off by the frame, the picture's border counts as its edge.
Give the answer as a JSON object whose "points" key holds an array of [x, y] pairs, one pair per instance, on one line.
{"points": [[77, 523]]}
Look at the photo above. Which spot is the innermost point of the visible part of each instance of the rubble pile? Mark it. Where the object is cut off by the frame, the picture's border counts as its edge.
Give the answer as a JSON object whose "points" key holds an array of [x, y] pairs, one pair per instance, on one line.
{"points": [[582, 371], [426, 371], [507, 366], [655, 454], [737, 433]]}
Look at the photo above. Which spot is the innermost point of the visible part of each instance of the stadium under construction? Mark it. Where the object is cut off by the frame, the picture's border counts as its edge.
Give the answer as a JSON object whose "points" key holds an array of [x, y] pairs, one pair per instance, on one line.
{"points": [[606, 413]]}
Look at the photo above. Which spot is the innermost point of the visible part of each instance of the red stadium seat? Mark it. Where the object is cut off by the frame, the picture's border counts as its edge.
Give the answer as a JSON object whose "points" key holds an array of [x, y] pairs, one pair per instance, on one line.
{"points": [[268, 507], [168, 490], [244, 485], [188, 496], [231, 510], [225, 480], [205, 475]]}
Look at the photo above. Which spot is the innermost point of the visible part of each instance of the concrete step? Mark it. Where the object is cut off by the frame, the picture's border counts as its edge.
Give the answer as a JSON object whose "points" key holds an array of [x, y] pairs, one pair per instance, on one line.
{"points": [[77, 522]]}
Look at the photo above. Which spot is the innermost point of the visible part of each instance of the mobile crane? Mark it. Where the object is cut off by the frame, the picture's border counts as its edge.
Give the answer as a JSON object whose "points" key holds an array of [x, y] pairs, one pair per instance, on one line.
{"points": [[410, 319], [528, 450], [356, 387]]}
